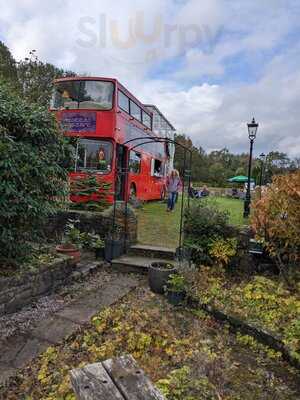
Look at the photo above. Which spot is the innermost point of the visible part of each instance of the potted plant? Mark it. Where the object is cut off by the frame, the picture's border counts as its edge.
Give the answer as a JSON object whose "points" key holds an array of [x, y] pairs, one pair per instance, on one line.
{"points": [[158, 275], [114, 244], [175, 289], [94, 242], [71, 242], [98, 246]]}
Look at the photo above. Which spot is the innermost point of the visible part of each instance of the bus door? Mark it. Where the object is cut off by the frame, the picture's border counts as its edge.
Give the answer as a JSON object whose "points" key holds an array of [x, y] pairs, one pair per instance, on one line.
{"points": [[121, 152]]}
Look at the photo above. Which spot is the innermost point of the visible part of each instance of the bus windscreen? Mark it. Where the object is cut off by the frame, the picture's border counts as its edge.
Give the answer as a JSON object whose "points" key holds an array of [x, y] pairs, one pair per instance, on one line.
{"points": [[73, 95]]}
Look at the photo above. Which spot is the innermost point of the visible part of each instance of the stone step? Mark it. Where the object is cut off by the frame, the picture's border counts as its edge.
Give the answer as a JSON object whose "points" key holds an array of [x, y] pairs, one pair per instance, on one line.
{"points": [[84, 269], [136, 264], [141, 250]]}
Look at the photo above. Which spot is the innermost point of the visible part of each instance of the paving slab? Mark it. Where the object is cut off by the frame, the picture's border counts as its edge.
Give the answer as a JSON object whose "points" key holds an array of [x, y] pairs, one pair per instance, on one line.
{"points": [[31, 349], [18, 351], [5, 373], [78, 313], [10, 348], [110, 294], [54, 329]]}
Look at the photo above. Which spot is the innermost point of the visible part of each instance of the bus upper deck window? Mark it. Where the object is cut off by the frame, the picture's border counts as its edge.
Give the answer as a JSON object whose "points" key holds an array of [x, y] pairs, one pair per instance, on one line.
{"points": [[73, 95]]}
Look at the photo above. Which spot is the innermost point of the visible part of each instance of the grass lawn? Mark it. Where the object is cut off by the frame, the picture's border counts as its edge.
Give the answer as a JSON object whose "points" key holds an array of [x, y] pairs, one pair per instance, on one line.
{"points": [[208, 362], [235, 208], [157, 227]]}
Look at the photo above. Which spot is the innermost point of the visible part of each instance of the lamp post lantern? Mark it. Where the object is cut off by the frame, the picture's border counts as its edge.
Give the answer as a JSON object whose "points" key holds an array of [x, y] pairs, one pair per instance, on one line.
{"points": [[252, 129]]}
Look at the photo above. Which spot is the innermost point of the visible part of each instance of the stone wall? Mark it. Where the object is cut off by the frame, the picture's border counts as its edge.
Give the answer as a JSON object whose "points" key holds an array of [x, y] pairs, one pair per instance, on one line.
{"points": [[20, 290], [100, 223]]}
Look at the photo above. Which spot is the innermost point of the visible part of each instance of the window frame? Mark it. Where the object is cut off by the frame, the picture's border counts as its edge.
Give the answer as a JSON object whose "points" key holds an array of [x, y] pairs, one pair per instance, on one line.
{"points": [[81, 83], [145, 113], [152, 168], [129, 111], [139, 155], [95, 171], [140, 108], [128, 98]]}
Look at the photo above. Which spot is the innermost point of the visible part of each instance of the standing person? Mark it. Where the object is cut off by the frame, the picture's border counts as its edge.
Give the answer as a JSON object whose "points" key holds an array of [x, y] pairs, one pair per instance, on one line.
{"points": [[173, 186]]}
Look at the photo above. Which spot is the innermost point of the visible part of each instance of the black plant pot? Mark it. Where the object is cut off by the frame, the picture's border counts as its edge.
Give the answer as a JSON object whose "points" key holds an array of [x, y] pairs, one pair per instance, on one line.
{"points": [[114, 248], [176, 298], [158, 275], [99, 253]]}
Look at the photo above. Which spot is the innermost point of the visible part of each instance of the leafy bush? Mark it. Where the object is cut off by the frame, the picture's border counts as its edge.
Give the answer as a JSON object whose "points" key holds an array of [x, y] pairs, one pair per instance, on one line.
{"points": [[176, 283], [204, 224], [33, 154], [276, 222], [221, 250]]}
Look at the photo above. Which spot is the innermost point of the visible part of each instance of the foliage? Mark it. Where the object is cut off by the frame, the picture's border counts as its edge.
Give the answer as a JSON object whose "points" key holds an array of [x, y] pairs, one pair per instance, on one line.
{"points": [[262, 301], [180, 385], [88, 240], [8, 67], [204, 222], [72, 234], [207, 361], [30, 78], [89, 193], [33, 154], [92, 241], [176, 283], [216, 167], [221, 250], [276, 222]]}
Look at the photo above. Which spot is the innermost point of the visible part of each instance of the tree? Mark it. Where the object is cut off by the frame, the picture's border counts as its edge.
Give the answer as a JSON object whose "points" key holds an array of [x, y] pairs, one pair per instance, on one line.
{"points": [[36, 79], [8, 69], [33, 154], [276, 221]]}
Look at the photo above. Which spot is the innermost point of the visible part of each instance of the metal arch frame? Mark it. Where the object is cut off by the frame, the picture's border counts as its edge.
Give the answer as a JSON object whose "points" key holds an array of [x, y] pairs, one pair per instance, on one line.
{"points": [[125, 171]]}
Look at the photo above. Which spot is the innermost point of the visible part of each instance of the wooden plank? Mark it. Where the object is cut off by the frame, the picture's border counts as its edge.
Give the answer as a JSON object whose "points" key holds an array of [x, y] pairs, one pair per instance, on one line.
{"points": [[93, 383], [131, 380]]}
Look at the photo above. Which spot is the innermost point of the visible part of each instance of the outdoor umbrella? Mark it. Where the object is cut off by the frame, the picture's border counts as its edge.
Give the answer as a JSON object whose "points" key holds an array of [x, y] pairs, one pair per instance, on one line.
{"points": [[240, 179]]}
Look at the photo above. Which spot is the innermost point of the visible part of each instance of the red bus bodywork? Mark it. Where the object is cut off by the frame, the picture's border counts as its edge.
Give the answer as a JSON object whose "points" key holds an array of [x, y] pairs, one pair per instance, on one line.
{"points": [[118, 126]]}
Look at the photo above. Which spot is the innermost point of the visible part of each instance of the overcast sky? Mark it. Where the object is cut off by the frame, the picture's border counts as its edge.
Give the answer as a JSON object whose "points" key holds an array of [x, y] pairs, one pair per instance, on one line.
{"points": [[209, 65]]}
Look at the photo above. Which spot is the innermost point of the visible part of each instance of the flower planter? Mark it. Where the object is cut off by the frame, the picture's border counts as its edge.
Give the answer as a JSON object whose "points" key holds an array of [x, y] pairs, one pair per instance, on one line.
{"points": [[176, 298], [69, 250], [114, 248], [158, 275]]}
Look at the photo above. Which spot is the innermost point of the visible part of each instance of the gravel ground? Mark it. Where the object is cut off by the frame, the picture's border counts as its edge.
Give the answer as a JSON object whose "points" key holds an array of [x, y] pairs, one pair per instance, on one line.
{"points": [[23, 320]]}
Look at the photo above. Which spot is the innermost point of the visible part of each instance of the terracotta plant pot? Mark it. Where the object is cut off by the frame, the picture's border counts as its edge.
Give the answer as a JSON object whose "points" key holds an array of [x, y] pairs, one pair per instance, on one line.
{"points": [[69, 250]]}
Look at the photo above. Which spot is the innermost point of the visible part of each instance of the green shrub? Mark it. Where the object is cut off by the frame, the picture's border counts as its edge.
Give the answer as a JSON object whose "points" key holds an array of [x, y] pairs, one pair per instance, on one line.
{"points": [[33, 157], [204, 224]]}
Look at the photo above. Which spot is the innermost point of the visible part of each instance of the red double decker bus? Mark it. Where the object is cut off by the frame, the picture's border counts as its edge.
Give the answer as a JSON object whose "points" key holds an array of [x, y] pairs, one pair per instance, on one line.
{"points": [[106, 117]]}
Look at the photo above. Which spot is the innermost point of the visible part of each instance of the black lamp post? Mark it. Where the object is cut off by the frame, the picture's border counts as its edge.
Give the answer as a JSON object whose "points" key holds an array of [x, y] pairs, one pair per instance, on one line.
{"points": [[252, 129], [262, 158]]}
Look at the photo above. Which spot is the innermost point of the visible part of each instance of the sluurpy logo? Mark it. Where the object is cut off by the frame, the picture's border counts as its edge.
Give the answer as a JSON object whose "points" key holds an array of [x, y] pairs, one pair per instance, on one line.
{"points": [[130, 41]]}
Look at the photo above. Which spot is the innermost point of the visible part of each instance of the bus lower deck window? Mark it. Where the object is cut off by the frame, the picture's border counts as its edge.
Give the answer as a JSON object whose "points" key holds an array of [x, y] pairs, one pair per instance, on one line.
{"points": [[94, 155], [158, 170]]}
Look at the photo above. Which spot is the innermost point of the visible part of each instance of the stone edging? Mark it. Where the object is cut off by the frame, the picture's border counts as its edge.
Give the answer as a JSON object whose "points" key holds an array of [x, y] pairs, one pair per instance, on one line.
{"points": [[243, 326], [20, 290]]}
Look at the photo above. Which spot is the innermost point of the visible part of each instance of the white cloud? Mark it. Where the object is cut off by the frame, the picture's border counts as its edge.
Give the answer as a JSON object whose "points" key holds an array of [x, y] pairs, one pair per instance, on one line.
{"points": [[162, 50]]}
